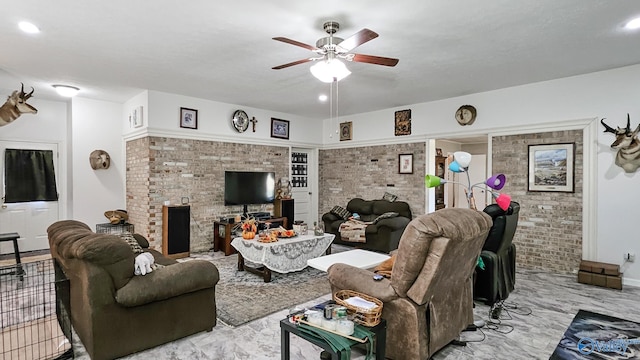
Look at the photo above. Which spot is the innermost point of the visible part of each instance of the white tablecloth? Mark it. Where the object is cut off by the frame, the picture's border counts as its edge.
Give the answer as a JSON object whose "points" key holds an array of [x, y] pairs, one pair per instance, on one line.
{"points": [[284, 255]]}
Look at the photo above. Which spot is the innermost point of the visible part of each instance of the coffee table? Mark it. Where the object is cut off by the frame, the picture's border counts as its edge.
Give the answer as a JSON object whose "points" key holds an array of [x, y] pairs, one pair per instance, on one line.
{"points": [[362, 259], [283, 256]]}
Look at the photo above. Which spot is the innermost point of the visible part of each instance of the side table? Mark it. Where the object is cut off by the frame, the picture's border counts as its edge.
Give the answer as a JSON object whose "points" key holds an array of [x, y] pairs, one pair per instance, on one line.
{"points": [[287, 328]]}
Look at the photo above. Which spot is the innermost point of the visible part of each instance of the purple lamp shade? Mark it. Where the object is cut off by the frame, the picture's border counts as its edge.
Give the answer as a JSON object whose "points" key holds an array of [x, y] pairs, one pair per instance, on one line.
{"points": [[496, 182]]}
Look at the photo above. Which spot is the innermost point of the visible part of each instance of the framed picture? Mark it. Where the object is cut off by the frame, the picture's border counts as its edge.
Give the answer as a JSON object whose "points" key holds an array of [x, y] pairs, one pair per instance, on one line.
{"points": [[551, 167], [188, 118], [136, 117], [403, 122], [345, 131], [279, 128], [405, 163]]}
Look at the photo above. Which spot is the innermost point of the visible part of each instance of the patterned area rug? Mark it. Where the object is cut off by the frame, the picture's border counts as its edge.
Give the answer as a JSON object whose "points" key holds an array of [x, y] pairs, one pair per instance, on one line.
{"points": [[595, 336], [242, 297]]}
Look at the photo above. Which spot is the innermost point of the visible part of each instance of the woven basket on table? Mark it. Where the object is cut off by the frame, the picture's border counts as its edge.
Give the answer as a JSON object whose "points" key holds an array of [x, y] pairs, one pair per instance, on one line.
{"points": [[366, 317]]}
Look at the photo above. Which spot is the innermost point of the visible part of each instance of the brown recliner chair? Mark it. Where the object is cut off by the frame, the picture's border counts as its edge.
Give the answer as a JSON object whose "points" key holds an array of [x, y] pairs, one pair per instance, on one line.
{"points": [[116, 313], [428, 300]]}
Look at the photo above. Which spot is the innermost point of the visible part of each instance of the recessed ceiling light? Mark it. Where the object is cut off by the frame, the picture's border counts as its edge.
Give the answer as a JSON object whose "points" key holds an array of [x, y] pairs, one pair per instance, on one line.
{"points": [[322, 97], [28, 27], [633, 24], [66, 90]]}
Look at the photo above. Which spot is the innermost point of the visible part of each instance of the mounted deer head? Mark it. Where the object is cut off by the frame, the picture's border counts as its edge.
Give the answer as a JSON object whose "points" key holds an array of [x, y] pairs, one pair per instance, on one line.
{"points": [[627, 144], [15, 106]]}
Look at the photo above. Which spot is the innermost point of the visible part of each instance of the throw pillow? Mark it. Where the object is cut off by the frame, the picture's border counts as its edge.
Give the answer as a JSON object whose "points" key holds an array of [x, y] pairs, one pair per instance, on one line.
{"points": [[386, 267], [387, 215], [131, 241], [340, 212], [389, 196]]}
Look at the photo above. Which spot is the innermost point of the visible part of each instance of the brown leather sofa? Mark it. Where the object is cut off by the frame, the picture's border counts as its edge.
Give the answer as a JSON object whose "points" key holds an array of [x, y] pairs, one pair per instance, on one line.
{"points": [[382, 236], [427, 302], [116, 313]]}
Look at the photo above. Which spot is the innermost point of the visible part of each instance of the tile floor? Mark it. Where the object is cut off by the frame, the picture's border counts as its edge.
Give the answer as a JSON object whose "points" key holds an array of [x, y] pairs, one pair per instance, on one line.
{"points": [[536, 315]]}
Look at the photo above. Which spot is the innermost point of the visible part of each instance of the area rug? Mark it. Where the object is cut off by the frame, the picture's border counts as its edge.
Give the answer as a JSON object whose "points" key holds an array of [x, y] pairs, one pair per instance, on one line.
{"points": [[242, 297], [596, 336]]}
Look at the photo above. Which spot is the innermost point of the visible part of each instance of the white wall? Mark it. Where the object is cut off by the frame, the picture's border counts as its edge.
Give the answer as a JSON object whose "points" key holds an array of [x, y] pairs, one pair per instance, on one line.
{"points": [[96, 125], [214, 121], [608, 94], [49, 125]]}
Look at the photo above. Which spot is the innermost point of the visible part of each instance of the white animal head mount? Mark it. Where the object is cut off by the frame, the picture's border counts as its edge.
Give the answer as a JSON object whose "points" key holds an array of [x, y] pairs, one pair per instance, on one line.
{"points": [[99, 159], [627, 144], [15, 106]]}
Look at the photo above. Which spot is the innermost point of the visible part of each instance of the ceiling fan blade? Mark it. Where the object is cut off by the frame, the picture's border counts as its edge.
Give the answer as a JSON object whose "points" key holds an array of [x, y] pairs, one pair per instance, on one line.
{"points": [[357, 39], [378, 60], [302, 61], [296, 43]]}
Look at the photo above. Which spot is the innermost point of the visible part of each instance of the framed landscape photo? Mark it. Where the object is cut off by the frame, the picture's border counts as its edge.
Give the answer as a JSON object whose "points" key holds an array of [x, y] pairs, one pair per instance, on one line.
{"points": [[345, 130], [188, 118], [405, 164], [551, 167], [279, 128]]}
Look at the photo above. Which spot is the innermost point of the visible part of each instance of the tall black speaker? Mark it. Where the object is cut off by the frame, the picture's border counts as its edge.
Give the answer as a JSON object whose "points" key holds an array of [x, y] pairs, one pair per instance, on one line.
{"points": [[284, 208], [176, 231]]}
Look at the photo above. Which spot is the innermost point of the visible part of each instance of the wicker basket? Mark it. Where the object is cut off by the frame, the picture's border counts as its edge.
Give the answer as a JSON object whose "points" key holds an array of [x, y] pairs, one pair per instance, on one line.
{"points": [[366, 317]]}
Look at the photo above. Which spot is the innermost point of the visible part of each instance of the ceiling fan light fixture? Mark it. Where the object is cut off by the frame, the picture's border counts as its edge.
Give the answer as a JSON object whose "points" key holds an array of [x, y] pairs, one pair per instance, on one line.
{"points": [[327, 71]]}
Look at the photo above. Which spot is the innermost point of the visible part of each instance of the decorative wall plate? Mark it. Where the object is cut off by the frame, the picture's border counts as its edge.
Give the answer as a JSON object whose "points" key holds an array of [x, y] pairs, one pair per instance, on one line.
{"points": [[466, 115], [240, 121]]}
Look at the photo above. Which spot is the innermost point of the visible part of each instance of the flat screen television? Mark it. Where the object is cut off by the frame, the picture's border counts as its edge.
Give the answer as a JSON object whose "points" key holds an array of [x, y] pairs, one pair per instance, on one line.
{"points": [[249, 188]]}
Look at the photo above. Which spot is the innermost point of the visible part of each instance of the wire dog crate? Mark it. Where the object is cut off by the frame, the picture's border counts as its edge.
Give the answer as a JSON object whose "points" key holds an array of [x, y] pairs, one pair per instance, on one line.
{"points": [[109, 228], [34, 318]]}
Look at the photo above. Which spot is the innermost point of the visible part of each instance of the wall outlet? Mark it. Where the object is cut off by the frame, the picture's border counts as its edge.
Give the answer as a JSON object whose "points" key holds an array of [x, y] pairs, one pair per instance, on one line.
{"points": [[630, 257]]}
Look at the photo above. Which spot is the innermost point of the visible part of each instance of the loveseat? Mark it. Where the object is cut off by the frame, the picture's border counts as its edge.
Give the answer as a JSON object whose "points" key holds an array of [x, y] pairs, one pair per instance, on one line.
{"points": [[383, 234], [115, 312]]}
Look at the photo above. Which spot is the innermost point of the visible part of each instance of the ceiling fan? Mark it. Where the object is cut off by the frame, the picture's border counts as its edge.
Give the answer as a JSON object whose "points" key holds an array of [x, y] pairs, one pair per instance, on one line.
{"points": [[331, 47]]}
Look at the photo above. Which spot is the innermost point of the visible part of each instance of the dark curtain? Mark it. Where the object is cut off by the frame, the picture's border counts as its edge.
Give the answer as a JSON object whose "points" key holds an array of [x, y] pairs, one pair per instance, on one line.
{"points": [[29, 176]]}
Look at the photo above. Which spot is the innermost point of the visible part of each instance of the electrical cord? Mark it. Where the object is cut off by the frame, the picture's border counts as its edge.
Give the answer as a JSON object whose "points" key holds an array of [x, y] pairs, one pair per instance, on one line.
{"points": [[514, 306]]}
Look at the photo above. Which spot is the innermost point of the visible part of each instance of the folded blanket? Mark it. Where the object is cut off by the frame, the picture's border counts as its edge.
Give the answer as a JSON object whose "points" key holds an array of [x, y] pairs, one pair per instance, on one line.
{"points": [[353, 231]]}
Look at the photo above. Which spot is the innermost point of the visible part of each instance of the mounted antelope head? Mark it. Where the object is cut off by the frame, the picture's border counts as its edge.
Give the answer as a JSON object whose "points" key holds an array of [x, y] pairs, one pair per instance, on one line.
{"points": [[15, 106], [628, 145]]}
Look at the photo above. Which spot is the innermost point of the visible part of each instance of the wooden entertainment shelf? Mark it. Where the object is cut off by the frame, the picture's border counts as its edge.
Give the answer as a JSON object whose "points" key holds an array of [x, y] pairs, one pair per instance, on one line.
{"points": [[223, 234]]}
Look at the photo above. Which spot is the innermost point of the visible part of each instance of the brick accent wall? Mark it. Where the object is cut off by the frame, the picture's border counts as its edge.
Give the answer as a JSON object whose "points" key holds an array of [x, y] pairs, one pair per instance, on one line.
{"points": [[160, 168], [549, 234], [367, 172]]}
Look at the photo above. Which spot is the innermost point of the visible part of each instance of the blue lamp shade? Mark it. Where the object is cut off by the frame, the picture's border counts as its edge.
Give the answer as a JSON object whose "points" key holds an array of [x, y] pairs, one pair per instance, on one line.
{"points": [[455, 167], [496, 182], [433, 181]]}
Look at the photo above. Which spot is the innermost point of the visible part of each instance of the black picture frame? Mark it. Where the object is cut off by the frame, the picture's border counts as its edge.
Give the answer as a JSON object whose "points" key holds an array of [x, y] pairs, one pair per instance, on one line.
{"points": [[188, 118], [405, 164], [279, 128], [346, 130]]}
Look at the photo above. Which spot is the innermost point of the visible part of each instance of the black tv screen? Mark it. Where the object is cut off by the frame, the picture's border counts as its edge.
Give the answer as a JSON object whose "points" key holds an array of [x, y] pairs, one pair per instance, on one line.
{"points": [[249, 187]]}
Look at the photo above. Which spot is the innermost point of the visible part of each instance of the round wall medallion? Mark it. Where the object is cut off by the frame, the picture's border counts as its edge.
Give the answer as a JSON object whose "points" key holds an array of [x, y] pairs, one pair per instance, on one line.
{"points": [[466, 115], [240, 121]]}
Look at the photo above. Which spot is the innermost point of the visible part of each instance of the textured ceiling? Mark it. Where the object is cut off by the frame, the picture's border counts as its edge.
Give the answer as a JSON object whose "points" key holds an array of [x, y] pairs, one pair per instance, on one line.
{"points": [[223, 50]]}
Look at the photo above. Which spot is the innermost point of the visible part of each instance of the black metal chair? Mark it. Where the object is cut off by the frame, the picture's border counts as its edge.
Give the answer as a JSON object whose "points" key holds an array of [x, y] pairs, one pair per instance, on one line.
{"points": [[497, 280]]}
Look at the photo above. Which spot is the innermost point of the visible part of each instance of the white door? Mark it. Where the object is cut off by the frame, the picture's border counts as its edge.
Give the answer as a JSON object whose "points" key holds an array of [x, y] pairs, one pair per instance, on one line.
{"points": [[29, 219], [477, 174], [302, 165]]}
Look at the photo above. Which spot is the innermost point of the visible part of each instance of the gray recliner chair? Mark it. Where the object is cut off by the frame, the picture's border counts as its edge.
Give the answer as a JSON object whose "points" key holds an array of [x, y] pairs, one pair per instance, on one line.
{"points": [[427, 301]]}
